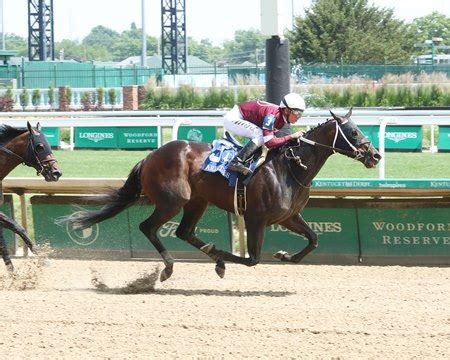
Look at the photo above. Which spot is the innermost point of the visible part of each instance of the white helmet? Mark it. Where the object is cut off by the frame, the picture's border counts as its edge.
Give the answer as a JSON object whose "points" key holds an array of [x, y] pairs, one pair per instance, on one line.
{"points": [[293, 101]]}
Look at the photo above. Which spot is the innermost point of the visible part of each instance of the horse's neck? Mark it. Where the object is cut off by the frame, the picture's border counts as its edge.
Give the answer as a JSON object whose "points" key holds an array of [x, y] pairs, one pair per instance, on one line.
{"points": [[8, 161], [318, 155]]}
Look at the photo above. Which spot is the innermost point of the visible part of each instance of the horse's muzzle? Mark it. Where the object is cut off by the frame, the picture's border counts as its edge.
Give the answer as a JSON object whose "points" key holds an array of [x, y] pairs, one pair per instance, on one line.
{"points": [[51, 172], [371, 158]]}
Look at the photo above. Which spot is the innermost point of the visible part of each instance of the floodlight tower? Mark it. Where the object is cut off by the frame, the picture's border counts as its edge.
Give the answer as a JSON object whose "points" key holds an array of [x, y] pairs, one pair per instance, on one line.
{"points": [[40, 30], [173, 36]]}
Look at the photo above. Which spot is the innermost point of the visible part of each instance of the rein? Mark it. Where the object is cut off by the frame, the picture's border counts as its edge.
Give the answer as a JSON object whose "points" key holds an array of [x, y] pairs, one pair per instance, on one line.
{"points": [[9, 152], [354, 153]]}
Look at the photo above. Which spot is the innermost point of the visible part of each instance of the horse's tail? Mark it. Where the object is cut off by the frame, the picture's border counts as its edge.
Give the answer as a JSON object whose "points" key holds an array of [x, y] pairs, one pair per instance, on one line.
{"points": [[116, 201]]}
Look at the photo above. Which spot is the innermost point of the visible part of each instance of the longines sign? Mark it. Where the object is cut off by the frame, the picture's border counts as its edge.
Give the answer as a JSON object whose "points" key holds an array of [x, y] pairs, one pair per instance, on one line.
{"points": [[337, 230]]}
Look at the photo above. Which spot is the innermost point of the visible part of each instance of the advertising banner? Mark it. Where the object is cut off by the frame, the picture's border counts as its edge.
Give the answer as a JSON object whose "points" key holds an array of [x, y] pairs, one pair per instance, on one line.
{"points": [[112, 234], [213, 227], [336, 227], [444, 138], [396, 137], [138, 137], [121, 233], [52, 135], [405, 231], [96, 137], [197, 133]]}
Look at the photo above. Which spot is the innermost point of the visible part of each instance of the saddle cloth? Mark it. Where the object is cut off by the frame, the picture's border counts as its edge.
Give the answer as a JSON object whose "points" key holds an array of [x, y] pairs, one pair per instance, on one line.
{"points": [[223, 151]]}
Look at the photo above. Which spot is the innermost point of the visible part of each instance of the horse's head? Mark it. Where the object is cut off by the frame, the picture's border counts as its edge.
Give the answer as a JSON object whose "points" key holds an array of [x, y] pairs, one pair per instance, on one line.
{"points": [[38, 154], [352, 142]]}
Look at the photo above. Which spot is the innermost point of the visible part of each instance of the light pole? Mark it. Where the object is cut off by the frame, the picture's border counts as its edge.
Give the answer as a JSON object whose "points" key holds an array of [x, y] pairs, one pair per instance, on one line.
{"points": [[144, 37], [3, 25]]}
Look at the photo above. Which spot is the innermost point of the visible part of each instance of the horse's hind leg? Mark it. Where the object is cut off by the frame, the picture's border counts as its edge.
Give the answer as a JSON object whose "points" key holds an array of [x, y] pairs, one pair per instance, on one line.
{"points": [[149, 227], [192, 213], [5, 253]]}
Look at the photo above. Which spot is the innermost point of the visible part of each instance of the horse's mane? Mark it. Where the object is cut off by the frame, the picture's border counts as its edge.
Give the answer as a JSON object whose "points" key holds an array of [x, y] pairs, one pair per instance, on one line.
{"points": [[316, 127], [7, 133]]}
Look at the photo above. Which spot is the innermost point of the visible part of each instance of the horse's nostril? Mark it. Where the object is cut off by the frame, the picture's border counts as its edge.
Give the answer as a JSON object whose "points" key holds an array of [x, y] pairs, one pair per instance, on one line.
{"points": [[377, 157], [56, 173]]}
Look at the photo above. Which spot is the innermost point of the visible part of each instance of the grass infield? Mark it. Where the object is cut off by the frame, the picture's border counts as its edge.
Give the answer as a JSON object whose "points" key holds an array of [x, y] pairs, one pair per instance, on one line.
{"points": [[118, 163]]}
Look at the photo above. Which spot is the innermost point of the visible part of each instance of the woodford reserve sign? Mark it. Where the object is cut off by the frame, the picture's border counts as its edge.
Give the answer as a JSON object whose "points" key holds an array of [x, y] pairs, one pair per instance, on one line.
{"points": [[405, 231]]}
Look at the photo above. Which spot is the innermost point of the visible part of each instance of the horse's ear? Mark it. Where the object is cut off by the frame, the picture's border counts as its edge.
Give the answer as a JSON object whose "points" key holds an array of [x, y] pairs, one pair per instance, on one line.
{"points": [[38, 127], [349, 114], [334, 115], [30, 129]]}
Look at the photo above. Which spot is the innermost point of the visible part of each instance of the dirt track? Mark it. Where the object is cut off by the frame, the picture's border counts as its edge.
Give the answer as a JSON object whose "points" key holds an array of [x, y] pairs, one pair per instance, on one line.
{"points": [[269, 311]]}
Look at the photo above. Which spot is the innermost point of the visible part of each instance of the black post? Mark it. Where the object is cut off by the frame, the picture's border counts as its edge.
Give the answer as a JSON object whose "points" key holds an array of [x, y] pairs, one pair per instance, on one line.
{"points": [[277, 73]]}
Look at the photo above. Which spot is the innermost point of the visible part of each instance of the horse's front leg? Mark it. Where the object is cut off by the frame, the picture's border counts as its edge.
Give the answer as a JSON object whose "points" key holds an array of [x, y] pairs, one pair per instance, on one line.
{"points": [[299, 226], [5, 253], [12, 225], [255, 238]]}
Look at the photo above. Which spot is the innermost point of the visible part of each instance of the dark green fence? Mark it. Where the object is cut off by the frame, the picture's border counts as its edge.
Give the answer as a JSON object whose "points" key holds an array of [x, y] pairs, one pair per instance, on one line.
{"points": [[351, 231], [407, 232], [119, 237], [36, 74]]}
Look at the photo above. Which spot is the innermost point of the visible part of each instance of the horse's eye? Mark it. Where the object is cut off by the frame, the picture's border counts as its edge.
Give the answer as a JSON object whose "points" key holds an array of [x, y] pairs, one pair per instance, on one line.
{"points": [[40, 147], [354, 133]]}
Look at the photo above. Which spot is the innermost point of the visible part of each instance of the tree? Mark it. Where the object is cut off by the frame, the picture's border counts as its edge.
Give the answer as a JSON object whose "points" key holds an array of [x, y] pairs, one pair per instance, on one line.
{"points": [[430, 26], [72, 49], [244, 46], [204, 50], [129, 43], [101, 36], [350, 31], [17, 43]]}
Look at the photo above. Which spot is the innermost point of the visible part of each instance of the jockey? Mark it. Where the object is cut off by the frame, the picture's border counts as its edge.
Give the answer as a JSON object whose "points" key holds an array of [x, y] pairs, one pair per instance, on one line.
{"points": [[258, 121]]}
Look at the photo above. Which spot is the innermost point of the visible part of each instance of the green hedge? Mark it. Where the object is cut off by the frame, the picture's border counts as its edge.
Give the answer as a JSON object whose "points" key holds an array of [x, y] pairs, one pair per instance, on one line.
{"points": [[383, 96], [187, 97]]}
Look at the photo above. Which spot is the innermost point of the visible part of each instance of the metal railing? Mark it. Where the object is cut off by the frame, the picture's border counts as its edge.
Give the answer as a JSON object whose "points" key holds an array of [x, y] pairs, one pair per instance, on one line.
{"points": [[174, 119]]}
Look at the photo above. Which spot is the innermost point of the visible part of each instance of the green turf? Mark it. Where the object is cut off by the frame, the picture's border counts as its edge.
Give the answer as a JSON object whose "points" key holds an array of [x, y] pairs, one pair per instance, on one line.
{"points": [[117, 163]]}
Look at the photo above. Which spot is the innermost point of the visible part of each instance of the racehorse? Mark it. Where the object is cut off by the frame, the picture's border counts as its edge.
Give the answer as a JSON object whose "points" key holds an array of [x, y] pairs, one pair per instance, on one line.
{"points": [[171, 178], [30, 147]]}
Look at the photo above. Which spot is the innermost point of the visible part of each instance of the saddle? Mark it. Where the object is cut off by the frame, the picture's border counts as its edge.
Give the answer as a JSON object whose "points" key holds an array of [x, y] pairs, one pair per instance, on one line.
{"points": [[223, 151]]}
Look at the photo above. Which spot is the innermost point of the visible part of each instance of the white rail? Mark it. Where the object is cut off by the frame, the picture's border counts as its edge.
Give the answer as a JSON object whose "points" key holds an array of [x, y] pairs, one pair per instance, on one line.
{"points": [[175, 119]]}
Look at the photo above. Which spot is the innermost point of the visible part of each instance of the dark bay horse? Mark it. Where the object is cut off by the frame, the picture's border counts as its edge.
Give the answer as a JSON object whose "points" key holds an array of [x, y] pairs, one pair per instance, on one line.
{"points": [[172, 179], [29, 147]]}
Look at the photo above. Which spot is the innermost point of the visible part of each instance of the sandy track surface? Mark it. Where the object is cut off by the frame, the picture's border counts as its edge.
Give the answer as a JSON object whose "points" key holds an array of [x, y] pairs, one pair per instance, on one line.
{"points": [[269, 311]]}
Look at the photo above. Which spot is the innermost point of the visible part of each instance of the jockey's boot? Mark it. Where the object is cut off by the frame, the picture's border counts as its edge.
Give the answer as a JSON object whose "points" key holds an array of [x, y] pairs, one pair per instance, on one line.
{"points": [[237, 164]]}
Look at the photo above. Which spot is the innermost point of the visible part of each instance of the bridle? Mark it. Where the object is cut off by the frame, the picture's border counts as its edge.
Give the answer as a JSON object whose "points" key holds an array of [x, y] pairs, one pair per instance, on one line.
{"points": [[354, 153], [32, 157]]}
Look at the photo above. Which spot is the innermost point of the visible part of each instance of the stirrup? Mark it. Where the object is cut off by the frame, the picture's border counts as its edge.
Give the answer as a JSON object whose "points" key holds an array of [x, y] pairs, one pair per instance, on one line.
{"points": [[238, 167]]}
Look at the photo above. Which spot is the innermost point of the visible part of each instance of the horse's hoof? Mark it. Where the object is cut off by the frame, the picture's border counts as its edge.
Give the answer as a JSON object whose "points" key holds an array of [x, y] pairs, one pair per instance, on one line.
{"points": [[207, 248], [10, 268], [280, 255], [220, 271], [165, 274]]}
